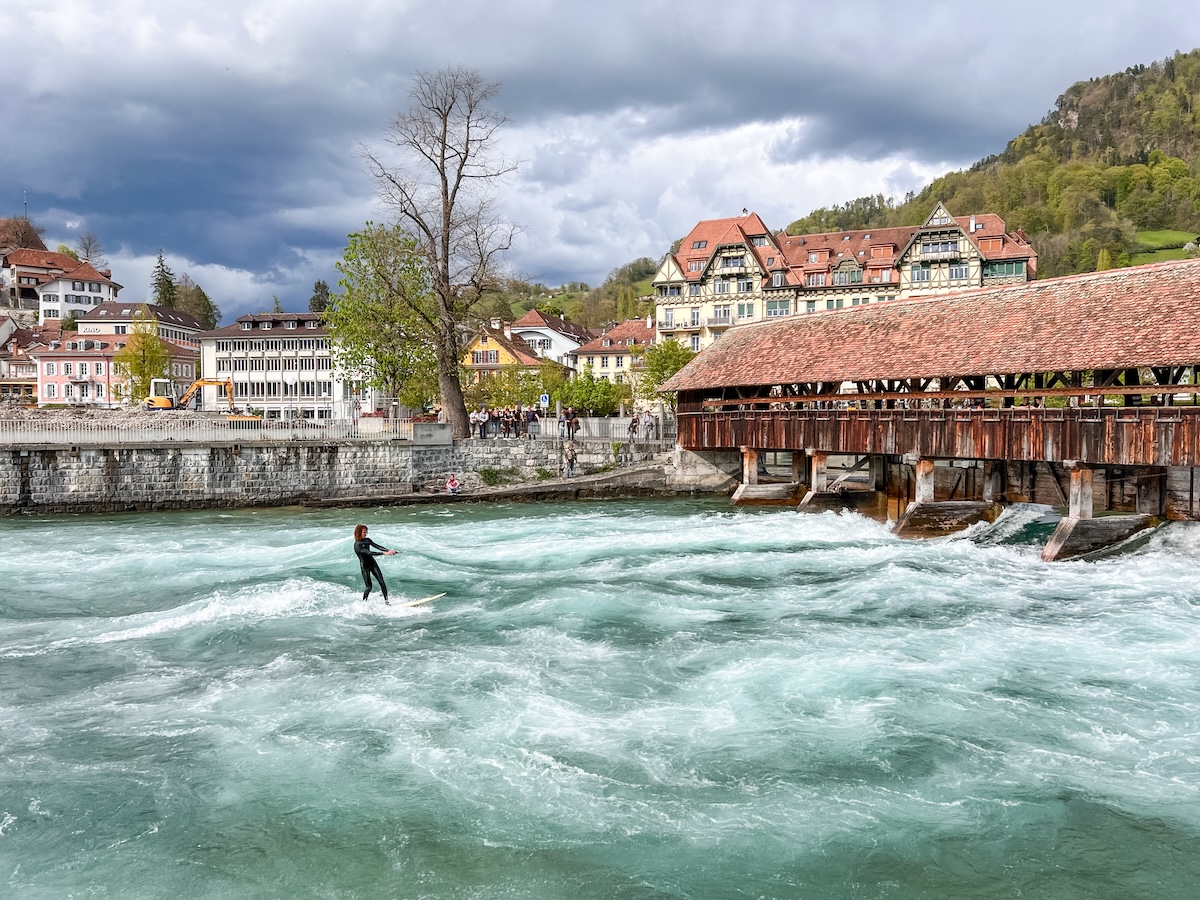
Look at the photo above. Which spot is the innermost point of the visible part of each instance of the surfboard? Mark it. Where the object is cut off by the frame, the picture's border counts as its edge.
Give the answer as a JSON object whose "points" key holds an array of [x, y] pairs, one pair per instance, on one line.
{"points": [[422, 600]]}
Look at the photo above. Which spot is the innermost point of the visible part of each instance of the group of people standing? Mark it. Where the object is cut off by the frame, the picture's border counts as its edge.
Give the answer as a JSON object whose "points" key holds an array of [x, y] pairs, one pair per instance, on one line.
{"points": [[506, 422]]}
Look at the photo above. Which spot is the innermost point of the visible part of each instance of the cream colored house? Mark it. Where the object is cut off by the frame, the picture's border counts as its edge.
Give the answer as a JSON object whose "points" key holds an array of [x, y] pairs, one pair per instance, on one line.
{"points": [[731, 271]]}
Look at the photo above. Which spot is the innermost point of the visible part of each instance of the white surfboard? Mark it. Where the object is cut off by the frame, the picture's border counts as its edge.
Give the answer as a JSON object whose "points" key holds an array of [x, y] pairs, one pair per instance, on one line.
{"points": [[422, 600]]}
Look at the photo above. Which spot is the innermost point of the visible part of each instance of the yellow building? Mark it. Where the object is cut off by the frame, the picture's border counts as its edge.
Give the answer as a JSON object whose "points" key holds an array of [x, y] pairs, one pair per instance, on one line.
{"points": [[494, 350]]}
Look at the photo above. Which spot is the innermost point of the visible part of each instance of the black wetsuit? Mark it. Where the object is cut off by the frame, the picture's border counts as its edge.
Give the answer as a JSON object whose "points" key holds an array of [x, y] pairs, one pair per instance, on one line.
{"points": [[366, 559]]}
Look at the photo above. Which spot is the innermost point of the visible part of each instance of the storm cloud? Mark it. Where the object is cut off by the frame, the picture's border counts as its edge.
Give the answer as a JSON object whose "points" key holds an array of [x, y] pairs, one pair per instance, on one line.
{"points": [[228, 135]]}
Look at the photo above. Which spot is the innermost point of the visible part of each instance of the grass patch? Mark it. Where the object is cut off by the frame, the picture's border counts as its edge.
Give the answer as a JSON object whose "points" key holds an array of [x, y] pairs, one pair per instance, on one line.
{"points": [[496, 477], [545, 474], [1140, 259], [1162, 239]]}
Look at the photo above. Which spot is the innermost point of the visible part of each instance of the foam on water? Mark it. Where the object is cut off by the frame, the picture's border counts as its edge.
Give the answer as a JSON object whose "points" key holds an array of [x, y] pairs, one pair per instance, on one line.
{"points": [[657, 699]]}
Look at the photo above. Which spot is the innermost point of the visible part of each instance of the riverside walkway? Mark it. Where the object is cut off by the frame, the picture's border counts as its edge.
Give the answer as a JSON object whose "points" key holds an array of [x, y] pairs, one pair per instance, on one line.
{"points": [[1079, 391]]}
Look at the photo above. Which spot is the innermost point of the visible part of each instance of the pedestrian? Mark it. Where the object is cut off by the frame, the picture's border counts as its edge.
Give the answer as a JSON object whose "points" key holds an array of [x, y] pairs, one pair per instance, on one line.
{"points": [[569, 458], [453, 484], [633, 428], [562, 423], [364, 549], [483, 421]]}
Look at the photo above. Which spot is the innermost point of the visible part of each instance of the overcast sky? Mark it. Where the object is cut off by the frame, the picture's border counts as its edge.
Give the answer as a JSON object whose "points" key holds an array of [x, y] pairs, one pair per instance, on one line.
{"points": [[226, 133]]}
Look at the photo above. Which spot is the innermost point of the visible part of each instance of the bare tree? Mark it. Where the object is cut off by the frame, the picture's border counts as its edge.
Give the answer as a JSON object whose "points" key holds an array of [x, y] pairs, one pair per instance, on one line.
{"points": [[439, 188], [87, 245]]}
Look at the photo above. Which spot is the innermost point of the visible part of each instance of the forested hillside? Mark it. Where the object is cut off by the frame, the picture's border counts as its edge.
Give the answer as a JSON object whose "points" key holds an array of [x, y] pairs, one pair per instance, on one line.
{"points": [[1108, 178]]}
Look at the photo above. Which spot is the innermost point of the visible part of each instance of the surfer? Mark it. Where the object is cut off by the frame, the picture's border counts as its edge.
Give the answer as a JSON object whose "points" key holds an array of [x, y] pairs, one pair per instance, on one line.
{"points": [[366, 560]]}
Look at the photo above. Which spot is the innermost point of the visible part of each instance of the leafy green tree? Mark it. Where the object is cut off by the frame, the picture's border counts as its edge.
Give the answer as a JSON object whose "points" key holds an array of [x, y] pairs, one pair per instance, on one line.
{"points": [[380, 322], [660, 362], [439, 187], [67, 251], [163, 284], [596, 395], [276, 306], [144, 356], [71, 323], [319, 301], [191, 299]]}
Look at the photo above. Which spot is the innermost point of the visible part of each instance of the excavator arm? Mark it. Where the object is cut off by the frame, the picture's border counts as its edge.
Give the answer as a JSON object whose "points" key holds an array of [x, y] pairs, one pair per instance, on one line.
{"points": [[227, 384]]}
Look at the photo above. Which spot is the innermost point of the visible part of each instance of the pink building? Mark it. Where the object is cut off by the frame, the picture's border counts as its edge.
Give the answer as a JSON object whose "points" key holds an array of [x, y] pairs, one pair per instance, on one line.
{"points": [[80, 371]]}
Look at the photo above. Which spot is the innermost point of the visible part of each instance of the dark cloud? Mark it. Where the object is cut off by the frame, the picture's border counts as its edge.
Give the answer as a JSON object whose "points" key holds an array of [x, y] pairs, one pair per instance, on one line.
{"points": [[231, 139]]}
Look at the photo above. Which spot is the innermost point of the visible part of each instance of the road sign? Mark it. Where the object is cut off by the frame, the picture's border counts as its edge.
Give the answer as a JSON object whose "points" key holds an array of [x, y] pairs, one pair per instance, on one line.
{"points": [[545, 401]]}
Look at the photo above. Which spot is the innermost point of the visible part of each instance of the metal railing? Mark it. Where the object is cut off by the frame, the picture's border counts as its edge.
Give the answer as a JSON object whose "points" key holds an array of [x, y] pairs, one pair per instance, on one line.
{"points": [[592, 428], [167, 430]]}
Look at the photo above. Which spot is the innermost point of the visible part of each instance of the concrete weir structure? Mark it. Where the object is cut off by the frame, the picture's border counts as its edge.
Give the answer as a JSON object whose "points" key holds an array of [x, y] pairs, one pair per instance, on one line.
{"points": [[1079, 392]]}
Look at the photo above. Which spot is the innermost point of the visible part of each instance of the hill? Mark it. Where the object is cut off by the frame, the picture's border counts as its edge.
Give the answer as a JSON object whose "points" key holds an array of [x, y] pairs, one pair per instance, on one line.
{"points": [[1108, 177]]}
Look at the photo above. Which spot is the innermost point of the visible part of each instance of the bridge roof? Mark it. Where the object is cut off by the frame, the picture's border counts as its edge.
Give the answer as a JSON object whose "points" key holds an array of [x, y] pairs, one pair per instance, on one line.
{"points": [[1120, 318]]}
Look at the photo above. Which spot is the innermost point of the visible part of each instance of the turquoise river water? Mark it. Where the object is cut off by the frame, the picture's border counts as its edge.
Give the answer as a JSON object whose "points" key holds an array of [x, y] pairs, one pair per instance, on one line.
{"points": [[662, 699]]}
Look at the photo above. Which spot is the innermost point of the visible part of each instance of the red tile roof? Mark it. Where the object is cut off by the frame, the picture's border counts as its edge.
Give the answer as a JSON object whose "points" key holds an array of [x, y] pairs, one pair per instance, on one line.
{"points": [[538, 319], [42, 259], [516, 348], [715, 233], [1120, 318], [631, 329]]}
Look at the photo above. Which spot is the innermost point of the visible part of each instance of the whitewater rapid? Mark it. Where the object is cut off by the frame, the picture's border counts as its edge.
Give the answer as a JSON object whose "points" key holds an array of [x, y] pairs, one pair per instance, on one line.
{"points": [[655, 699]]}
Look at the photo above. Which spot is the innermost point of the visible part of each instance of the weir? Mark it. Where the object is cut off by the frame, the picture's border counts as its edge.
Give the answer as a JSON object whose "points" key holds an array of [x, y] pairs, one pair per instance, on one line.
{"points": [[1077, 392]]}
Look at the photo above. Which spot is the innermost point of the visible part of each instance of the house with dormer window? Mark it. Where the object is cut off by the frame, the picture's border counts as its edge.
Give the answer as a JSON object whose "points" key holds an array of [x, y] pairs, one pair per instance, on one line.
{"points": [[732, 271]]}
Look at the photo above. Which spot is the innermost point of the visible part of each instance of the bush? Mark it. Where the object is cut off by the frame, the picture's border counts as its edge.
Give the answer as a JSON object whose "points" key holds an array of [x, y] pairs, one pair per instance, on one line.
{"points": [[546, 474], [496, 477]]}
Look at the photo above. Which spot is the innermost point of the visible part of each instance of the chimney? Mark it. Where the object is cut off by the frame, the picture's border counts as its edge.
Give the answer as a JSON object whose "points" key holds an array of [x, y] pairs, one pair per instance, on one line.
{"points": [[972, 224], [495, 323]]}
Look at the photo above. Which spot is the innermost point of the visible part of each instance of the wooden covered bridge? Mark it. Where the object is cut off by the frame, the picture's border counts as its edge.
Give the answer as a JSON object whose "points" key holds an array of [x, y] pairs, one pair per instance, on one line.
{"points": [[1078, 392]]}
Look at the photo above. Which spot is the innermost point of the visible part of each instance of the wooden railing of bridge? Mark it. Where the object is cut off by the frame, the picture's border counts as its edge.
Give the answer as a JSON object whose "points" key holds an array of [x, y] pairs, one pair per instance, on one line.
{"points": [[1097, 436]]}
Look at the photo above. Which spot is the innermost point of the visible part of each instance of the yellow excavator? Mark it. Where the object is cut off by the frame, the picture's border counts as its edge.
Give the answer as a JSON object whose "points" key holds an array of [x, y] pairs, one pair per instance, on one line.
{"points": [[162, 391]]}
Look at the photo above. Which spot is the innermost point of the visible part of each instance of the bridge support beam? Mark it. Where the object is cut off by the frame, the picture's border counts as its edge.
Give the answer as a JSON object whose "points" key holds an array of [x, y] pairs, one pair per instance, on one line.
{"points": [[749, 465], [925, 517], [1079, 534]]}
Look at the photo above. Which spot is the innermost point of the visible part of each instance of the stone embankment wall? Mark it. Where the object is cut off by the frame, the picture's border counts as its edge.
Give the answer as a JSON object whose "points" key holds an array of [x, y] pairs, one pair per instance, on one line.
{"points": [[107, 480]]}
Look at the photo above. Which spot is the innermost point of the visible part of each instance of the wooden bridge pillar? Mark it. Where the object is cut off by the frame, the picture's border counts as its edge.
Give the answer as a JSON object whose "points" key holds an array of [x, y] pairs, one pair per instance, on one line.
{"points": [[1080, 500], [749, 465], [994, 472], [923, 474], [796, 473], [819, 479]]}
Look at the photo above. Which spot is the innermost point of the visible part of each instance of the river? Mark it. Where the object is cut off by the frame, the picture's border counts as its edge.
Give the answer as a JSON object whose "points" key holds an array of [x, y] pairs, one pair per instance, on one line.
{"points": [[660, 699]]}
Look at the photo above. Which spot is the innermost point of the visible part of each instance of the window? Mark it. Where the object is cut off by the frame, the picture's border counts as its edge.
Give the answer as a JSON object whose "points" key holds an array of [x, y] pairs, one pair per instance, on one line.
{"points": [[745, 311], [98, 368], [485, 357], [52, 314], [777, 279], [607, 342], [770, 260], [246, 326], [674, 290], [810, 306], [668, 318], [290, 324], [694, 290], [311, 324], [854, 276], [51, 391], [266, 326], [77, 285], [814, 257], [100, 390], [695, 343], [939, 247], [619, 378], [604, 362], [699, 245], [49, 298], [120, 329], [721, 287], [745, 285], [1004, 268], [940, 220], [733, 262], [591, 361], [620, 362], [242, 365], [960, 272], [94, 287], [759, 240], [695, 315], [921, 273], [777, 308], [816, 279], [272, 363], [722, 313], [223, 365], [51, 369], [695, 265], [258, 364]]}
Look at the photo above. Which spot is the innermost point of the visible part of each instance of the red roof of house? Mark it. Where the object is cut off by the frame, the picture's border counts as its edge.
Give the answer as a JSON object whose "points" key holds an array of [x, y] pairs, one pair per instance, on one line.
{"points": [[42, 259], [635, 330], [516, 348], [716, 233], [538, 319], [1121, 318]]}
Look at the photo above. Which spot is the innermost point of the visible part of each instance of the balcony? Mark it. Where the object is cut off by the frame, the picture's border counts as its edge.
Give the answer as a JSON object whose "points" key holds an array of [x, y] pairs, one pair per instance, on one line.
{"points": [[939, 255], [683, 326], [720, 321]]}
